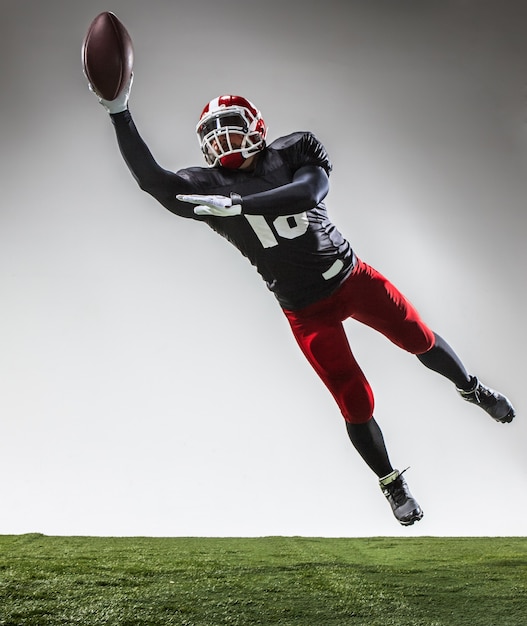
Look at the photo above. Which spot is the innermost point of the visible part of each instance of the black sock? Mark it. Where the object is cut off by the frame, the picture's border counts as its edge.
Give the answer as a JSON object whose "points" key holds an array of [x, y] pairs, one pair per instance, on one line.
{"points": [[369, 443], [442, 359]]}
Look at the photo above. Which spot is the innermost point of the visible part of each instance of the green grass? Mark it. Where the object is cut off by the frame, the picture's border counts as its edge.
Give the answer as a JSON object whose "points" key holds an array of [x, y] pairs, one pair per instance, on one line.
{"points": [[273, 580]]}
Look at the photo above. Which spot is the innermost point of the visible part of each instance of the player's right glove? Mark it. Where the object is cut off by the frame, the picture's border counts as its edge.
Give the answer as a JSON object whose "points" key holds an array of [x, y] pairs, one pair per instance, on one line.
{"points": [[220, 206], [120, 103]]}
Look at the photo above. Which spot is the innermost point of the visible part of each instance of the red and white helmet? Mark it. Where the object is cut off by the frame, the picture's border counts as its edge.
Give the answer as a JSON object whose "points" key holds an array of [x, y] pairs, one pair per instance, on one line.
{"points": [[221, 117]]}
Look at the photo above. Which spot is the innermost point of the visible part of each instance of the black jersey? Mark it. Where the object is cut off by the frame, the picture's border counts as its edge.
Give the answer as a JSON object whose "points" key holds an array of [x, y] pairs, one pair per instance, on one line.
{"points": [[301, 256]]}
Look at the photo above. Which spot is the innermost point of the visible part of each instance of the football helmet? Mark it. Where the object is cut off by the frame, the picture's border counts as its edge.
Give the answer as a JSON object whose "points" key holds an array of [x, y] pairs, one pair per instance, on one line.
{"points": [[230, 129]]}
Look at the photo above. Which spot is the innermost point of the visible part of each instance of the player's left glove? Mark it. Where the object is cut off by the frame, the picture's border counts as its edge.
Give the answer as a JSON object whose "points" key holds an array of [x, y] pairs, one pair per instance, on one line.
{"points": [[220, 206]]}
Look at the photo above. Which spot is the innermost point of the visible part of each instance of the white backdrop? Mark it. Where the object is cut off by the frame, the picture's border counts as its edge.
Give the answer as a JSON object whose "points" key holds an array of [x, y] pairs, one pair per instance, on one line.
{"points": [[149, 382]]}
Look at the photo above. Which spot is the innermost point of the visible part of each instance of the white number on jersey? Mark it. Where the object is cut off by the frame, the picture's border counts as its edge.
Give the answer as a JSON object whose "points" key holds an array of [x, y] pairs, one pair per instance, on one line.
{"points": [[286, 226]]}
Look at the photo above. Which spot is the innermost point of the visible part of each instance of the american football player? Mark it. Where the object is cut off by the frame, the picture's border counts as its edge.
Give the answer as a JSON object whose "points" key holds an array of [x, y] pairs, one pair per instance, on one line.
{"points": [[267, 199]]}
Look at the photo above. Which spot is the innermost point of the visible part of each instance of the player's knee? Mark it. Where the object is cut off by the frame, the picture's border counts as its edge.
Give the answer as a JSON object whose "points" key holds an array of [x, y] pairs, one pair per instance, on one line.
{"points": [[417, 339], [426, 341], [357, 419], [357, 404]]}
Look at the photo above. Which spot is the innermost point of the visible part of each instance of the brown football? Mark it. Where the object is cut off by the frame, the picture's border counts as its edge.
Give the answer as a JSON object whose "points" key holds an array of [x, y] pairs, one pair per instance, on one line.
{"points": [[107, 55]]}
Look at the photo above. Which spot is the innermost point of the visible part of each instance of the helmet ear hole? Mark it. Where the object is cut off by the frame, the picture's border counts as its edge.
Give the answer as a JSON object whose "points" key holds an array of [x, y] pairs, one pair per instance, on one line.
{"points": [[261, 128]]}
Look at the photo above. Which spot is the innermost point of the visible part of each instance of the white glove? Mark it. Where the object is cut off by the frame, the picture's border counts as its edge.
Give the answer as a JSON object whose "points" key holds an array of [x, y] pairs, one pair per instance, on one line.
{"points": [[120, 103], [220, 206]]}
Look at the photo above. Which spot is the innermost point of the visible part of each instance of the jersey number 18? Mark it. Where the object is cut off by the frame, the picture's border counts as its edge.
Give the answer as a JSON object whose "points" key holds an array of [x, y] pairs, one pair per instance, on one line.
{"points": [[286, 226]]}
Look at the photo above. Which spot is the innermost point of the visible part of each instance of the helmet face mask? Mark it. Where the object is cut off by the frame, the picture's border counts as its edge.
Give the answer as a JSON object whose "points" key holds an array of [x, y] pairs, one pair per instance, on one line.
{"points": [[230, 130]]}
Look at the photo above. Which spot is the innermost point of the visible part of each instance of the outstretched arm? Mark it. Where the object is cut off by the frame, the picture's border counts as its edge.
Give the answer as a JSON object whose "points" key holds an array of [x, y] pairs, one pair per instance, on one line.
{"points": [[162, 184], [308, 188], [150, 176]]}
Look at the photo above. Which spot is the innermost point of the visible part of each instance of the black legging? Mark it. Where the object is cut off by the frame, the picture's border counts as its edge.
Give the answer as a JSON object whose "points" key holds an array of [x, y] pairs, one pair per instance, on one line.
{"points": [[367, 437], [442, 359]]}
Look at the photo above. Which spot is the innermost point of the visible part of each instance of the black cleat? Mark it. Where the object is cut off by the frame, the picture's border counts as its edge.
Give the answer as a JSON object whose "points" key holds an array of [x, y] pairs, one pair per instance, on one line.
{"points": [[404, 506], [496, 405]]}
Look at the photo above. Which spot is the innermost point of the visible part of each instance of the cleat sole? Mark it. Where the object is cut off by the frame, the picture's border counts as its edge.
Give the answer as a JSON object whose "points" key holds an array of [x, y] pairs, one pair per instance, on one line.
{"points": [[412, 521], [508, 418]]}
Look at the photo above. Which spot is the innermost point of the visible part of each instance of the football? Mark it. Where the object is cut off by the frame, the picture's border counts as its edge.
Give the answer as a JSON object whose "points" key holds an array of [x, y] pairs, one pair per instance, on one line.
{"points": [[107, 55]]}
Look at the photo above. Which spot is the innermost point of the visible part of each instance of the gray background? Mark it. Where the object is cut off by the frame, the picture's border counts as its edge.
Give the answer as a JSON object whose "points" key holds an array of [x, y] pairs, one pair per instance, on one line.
{"points": [[149, 383]]}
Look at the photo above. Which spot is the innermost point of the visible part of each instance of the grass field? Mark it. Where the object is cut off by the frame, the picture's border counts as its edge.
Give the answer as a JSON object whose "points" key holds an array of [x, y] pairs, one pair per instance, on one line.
{"points": [[273, 580]]}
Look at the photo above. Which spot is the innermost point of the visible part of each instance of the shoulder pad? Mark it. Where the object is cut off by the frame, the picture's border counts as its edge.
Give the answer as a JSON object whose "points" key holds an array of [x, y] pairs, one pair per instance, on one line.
{"points": [[287, 140], [302, 148]]}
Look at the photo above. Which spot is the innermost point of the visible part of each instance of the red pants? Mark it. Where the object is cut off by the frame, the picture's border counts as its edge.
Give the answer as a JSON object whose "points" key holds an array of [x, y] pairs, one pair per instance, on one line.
{"points": [[370, 298]]}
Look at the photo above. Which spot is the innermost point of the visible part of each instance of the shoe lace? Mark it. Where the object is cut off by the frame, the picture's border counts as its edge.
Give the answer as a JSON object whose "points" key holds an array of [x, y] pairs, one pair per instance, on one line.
{"points": [[481, 395], [475, 395], [397, 489], [485, 396], [398, 495]]}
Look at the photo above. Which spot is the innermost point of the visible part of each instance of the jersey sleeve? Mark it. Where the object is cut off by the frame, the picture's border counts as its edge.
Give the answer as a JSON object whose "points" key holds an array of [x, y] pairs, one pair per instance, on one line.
{"points": [[303, 148], [305, 168], [160, 183]]}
